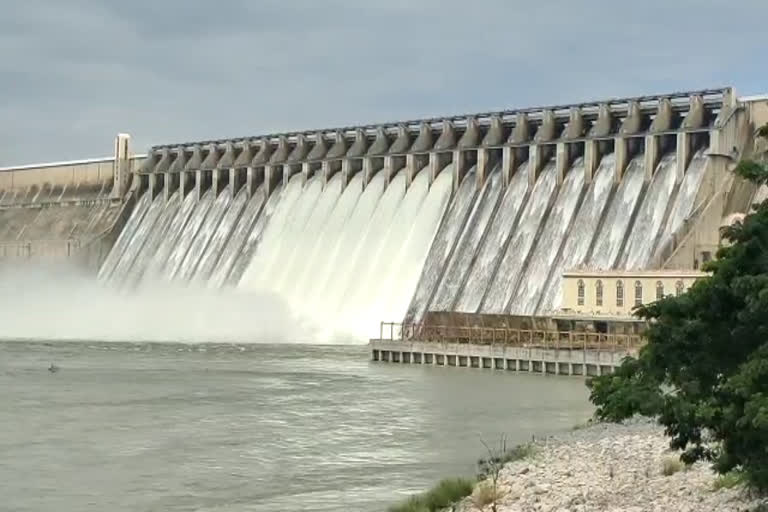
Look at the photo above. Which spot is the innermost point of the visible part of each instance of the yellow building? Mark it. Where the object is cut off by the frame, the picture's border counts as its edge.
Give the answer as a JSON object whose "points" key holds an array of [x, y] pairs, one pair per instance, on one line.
{"points": [[617, 292]]}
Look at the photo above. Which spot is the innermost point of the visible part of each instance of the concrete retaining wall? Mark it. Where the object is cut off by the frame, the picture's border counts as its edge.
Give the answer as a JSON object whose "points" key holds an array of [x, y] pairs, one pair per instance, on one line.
{"points": [[499, 357]]}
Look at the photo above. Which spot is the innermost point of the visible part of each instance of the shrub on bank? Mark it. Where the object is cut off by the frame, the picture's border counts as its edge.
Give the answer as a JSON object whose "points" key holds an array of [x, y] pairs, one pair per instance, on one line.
{"points": [[728, 480], [499, 458], [444, 494], [486, 493], [671, 465], [704, 371]]}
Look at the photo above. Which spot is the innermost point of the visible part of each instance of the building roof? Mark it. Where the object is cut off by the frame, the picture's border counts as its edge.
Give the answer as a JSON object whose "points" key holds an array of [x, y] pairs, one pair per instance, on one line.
{"points": [[635, 273]]}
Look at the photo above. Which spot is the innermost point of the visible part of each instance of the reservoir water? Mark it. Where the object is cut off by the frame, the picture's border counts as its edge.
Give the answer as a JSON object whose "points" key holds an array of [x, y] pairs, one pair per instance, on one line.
{"points": [[251, 427]]}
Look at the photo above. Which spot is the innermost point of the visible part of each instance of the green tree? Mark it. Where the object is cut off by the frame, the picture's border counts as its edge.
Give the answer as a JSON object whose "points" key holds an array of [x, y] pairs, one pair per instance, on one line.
{"points": [[704, 370]]}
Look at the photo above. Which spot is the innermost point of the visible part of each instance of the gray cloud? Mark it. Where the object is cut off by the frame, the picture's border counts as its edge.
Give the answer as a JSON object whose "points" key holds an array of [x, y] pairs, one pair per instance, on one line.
{"points": [[72, 74]]}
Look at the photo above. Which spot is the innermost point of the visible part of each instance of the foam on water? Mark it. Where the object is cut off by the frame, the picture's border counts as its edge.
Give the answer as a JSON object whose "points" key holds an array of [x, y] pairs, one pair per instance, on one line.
{"points": [[112, 259], [582, 233], [443, 246], [467, 246], [611, 236], [503, 223], [650, 217], [203, 236], [229, 222], [547, 247], [505, 281]]}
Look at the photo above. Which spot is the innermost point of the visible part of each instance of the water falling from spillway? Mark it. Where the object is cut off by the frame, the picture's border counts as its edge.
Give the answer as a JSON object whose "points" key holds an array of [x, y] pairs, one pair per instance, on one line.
{"points": [[322, 225], [582, 233], [311, 286], [467, 245], [156, 265], [302, 242], [650, 217], [611, 236], [686, 196], [334, 279], [354, 290], [367, 311], [156, 236], [245, 240], [443, 246], [226, 227], [505, 219], [505, 281], [290, 215], [547, 247], [140, 236], [178, 258], [202, 238], [404, 274], [125, 237]]}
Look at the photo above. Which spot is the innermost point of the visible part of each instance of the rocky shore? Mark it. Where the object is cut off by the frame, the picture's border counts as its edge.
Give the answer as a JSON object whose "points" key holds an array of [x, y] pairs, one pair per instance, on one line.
{"points": [[611, 468]]}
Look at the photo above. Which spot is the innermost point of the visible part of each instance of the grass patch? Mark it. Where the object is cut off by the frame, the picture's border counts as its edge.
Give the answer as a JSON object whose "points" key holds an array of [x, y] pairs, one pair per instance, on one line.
{"points": [[485, 493], [498, 459], [671, 465], [728, 481], [445, 493]]}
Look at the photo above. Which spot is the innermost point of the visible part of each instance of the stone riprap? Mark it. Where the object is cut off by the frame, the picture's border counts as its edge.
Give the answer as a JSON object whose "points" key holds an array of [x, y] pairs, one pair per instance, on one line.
{"points": [[611, 468]]}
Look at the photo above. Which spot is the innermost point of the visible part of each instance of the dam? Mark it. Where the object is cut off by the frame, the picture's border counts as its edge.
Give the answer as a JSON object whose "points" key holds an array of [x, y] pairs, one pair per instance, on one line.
{"points": [[473, 219]]}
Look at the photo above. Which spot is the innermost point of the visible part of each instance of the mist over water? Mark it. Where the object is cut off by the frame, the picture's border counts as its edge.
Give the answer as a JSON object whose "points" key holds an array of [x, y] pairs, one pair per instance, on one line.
{"points": [[61, 303]]}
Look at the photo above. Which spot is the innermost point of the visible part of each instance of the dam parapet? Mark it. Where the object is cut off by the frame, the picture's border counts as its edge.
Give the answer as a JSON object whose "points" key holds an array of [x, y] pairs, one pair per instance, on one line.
{"points": [[509, 138]]}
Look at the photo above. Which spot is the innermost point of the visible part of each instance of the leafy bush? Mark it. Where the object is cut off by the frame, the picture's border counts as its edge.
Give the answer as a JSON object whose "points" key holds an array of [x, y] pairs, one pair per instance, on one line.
{"points": [[704, 371], [728, 480], [444, 494]]}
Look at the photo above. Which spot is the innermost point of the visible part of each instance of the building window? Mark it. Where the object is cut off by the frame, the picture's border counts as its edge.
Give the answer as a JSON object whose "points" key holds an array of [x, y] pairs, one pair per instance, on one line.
{"points": [[638, 293], [599, 293], [619, 294], [679, 288], [659, 290], [706, 256], [580, 292]]}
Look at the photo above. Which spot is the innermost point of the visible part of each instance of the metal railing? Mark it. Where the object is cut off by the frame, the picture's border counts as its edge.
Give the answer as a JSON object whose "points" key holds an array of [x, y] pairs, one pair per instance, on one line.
{"points": [[530, 338]]}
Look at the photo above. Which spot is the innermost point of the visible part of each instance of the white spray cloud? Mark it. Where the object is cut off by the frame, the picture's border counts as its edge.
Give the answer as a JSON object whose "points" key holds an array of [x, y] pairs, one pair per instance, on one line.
{"points": [[60, 303]]}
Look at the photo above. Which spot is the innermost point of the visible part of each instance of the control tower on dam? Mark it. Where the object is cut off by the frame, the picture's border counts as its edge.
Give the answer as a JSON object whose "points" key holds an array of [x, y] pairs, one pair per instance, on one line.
{"points": [[478, 214]]}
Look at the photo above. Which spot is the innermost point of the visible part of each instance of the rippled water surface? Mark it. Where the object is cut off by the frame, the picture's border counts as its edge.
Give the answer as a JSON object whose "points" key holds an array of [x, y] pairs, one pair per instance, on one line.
{"points": [[166, 427]]}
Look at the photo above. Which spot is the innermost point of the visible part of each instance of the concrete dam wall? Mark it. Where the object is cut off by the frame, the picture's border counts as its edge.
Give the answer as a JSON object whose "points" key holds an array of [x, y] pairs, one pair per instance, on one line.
{"points": [[474, 214], [66, 210]]}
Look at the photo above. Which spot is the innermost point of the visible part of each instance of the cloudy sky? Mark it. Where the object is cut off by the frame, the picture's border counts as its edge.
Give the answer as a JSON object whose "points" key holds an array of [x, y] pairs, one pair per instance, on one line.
{"points": [[73, 73]]}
